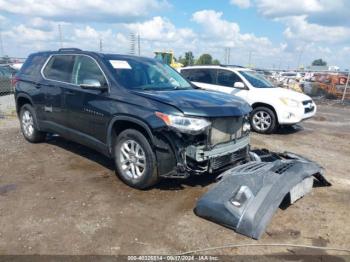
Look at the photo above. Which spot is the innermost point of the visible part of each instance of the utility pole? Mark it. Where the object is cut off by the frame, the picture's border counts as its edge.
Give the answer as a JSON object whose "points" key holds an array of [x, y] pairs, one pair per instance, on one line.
{"points": [[139, 44], [60, 35], [1, 44], [132, 44], [346, 87], [250, 59], [101, 45]]}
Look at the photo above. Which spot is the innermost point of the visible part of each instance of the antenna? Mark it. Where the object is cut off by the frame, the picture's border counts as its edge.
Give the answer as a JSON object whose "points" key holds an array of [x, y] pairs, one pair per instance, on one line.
{"points": [[60, 35]]}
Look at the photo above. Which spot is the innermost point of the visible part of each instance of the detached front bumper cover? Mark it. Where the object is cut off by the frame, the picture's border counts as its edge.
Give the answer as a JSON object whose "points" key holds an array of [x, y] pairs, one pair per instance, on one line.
{"points": [[247, 196]]}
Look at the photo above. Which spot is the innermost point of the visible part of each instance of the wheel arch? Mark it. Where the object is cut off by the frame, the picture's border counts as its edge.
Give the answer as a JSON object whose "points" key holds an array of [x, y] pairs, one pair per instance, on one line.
{"points": [[121, 123], [260, 104], [21, 100]]}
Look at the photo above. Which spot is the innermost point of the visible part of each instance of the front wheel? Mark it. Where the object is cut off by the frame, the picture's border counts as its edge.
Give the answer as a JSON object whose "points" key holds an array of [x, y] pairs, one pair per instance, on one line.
{"points": [[263, 120], [135, 160]]}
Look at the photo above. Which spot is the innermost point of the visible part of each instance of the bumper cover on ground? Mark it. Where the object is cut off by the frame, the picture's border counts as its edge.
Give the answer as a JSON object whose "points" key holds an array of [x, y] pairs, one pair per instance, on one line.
{"points": [[247, 196]]}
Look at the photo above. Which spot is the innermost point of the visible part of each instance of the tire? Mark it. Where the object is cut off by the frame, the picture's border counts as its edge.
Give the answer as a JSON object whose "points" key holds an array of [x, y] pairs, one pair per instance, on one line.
{"points": [[135, 160], [263, 120], [28, 123]]}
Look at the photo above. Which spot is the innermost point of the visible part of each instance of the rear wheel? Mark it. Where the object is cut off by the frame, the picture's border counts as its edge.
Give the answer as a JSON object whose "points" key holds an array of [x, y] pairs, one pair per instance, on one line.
{"points": [[28, 125], [135, 160], [263, 120]]}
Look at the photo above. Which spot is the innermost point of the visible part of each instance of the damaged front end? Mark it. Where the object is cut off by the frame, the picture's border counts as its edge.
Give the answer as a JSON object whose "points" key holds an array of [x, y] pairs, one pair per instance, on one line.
{"points": [[247, 196], [222, 145]]}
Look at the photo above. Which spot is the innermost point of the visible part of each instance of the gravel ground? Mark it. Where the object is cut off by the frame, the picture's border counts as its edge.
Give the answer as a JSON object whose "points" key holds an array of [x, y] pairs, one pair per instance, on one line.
{"points": [[62, 198]]}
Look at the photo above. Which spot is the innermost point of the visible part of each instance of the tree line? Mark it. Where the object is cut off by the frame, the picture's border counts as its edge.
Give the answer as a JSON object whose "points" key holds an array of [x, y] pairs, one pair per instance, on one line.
{"points": [[204, 59]]}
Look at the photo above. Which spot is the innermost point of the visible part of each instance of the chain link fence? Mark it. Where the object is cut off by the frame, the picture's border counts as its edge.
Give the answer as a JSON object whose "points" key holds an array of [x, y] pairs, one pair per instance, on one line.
{"points": [[9, 66]]}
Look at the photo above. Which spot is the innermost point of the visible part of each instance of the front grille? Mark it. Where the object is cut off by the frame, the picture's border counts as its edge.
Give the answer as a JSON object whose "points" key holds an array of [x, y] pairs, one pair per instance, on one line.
{"points": [[226, 129], [221, 161], [308, 106], [307, 102]]}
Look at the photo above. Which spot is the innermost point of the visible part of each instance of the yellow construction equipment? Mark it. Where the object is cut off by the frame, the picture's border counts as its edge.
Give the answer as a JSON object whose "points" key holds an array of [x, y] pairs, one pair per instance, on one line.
{"points": [[168, 58]]}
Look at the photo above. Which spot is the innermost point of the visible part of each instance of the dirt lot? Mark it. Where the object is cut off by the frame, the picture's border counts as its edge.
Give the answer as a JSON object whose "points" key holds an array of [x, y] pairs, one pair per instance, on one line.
{"points": [[62, 198]]}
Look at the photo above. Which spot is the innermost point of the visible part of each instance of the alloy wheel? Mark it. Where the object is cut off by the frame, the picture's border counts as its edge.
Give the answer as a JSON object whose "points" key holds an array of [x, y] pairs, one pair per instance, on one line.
{"points": [[27, 123], [262, 120], [132, 159]]}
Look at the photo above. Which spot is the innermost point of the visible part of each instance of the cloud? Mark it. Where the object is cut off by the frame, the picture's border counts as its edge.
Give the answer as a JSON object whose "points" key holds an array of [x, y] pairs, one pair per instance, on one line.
{"points": [[299, 29], [84, 10], [225, 32], [241, 3], [323, 12], [160, 29]]}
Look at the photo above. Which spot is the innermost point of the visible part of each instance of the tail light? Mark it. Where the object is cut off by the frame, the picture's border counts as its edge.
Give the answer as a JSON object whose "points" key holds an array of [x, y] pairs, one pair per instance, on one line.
{"points": [[14, 80]]}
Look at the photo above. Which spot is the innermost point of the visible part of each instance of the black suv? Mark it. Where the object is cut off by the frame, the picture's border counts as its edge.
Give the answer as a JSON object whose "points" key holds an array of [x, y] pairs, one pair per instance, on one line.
{"points": [[138, 111]]}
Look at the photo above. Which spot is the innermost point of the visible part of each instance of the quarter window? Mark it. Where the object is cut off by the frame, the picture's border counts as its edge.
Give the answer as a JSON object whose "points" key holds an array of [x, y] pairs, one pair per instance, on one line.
{"points": [[59, 68], [227, 78]]}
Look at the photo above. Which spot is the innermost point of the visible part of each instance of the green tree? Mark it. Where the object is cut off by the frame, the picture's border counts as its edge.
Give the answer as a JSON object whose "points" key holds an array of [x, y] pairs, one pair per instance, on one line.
{"points": [[216, 62], [319, 62], [205, 59]]}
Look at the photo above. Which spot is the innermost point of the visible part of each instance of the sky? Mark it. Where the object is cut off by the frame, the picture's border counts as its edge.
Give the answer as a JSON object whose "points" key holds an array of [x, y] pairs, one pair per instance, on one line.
{"points": [[274, 33]]}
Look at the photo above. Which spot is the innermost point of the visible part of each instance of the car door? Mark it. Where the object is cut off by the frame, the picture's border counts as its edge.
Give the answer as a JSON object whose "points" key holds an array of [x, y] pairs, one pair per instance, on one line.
{"points": [[225, 83], [202, 77], [57, 75], [86, 108]]}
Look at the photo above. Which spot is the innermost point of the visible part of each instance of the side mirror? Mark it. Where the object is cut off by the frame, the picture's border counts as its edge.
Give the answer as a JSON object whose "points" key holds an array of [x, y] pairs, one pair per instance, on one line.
{"points": [[239, 85], [92, 84]]}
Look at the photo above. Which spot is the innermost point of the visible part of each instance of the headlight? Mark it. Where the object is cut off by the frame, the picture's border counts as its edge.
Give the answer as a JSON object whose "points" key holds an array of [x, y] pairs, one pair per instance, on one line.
{"points": [[246, 127], [290, 102], [185, 124], [246, 124]]}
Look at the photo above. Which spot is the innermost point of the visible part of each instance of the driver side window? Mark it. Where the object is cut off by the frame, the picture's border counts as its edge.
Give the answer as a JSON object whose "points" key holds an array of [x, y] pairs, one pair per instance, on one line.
{"points": [[85, 68], [227, 78]]}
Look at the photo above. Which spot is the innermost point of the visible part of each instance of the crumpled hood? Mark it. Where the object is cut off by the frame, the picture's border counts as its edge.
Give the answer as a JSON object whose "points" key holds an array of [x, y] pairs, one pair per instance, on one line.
{"points": [[199, 102]]}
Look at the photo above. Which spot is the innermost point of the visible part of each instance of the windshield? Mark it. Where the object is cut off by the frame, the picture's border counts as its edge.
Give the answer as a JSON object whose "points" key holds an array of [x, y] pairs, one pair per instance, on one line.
{"points": [[142, 74], [256, 79]]}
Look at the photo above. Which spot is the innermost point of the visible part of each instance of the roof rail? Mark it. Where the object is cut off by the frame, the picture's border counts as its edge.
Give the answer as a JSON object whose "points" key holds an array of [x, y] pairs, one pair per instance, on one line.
{"points": [[69, 49], [232, 66]]}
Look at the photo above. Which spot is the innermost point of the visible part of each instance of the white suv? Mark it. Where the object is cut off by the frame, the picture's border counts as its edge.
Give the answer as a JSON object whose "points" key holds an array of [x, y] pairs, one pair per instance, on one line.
{"points": [[272, 106]]}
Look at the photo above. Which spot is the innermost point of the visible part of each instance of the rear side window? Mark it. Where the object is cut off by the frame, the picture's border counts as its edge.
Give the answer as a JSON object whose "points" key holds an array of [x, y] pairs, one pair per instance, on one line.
{"points": [[227, 78], [60, 68], [199, 75], [32, 66]]}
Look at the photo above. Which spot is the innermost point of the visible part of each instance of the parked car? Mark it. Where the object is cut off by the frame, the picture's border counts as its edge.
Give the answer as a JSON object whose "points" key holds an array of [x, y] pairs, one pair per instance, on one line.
{"points": [[6, 74], [272, 106], [138, 111]]}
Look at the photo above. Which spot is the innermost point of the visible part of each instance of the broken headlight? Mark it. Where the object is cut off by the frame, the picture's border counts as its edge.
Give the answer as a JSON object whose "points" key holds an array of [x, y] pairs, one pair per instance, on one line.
{"points": [[185, 124], [246, 124]]}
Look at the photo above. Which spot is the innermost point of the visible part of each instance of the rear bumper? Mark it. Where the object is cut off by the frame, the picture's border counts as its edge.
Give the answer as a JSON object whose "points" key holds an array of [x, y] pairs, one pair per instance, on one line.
{"points": [[248, 195]]}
